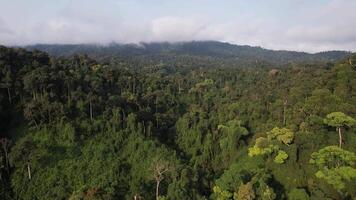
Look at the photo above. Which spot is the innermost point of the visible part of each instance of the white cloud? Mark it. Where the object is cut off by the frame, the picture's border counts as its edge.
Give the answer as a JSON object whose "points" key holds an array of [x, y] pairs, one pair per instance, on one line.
{"points": [[324, 27], [4, 29], [178, 29]]}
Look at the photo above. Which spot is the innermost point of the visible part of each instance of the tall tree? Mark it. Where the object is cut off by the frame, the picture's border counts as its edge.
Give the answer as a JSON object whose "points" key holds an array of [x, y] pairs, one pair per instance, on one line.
{"points": [[160, 168], [339, 120]]}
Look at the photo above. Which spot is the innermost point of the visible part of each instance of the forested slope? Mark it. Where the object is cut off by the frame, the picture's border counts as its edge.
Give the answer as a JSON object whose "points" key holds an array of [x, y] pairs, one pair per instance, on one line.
{"points": [[77, 128], [239, 54]]}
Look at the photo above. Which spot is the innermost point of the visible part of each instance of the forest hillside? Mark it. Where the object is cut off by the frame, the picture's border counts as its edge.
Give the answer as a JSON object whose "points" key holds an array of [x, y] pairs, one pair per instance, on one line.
{"points": [[178, 124], [238, 54]]}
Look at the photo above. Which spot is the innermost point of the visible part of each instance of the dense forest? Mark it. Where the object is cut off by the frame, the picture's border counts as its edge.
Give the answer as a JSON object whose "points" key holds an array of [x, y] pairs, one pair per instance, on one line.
{"points": [[177, 125]]}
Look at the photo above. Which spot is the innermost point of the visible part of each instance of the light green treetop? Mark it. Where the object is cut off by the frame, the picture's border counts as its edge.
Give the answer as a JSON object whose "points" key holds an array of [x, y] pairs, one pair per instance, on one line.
{"points": [[336, 166], [262, 147], [267, 146], [281, 157], [221, 194], [339, 119], [283, 135]]}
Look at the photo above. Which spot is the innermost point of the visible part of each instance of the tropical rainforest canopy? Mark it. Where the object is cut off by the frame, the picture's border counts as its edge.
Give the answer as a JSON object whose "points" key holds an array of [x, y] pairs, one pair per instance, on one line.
{"points": [[177, 123]]}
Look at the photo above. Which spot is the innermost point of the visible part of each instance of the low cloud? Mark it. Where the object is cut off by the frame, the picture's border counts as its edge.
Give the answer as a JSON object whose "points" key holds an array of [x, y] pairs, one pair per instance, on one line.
{"points": [[178, 29], [4, 28], [5, 32], [326, 28]]}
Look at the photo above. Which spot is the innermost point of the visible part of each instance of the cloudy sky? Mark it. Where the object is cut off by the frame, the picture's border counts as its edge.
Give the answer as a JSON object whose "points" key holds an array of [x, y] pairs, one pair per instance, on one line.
{"points": [[304, 25]]}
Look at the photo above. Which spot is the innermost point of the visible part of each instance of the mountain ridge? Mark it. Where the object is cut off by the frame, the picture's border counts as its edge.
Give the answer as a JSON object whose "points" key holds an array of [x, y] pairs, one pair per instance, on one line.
{"points": [[194, 48]]}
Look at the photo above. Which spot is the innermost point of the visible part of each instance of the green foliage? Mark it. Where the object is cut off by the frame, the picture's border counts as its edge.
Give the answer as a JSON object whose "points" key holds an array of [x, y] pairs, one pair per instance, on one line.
{"points": [[268, 194], [339, 119], [239, 172], [283, 135], [332, 157], [337, 177], [281, 157], [255, 150], [232, 134], [221, 194], [335, 165], [79, 128], [262, 147], [256, 180], [298, 194], [267, 146]]}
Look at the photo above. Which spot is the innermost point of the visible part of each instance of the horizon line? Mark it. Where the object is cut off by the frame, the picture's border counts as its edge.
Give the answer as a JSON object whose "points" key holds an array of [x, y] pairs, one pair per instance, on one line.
{"points": [[106, 44]]}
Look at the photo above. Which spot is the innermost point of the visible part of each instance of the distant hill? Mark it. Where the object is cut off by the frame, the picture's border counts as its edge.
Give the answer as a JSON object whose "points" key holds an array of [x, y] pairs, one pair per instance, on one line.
{"points": [[215, 49]]}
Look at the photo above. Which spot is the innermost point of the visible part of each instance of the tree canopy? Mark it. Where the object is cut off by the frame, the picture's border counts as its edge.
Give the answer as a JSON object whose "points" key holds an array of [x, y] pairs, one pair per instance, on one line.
{"points": [[175, 126]]}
